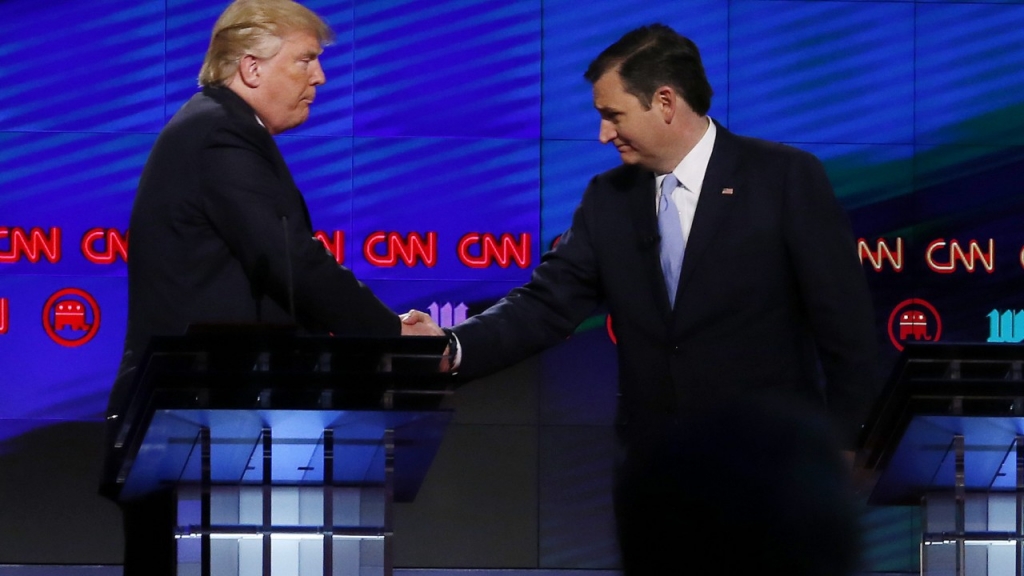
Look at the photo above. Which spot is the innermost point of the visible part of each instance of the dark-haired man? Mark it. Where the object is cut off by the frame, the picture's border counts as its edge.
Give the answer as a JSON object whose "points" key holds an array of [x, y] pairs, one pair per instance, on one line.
{"points": [[763, 292]]}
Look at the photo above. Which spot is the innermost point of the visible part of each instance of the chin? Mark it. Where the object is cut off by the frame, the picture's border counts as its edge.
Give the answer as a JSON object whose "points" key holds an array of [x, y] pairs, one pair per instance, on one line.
{"points": [[294, 124]]}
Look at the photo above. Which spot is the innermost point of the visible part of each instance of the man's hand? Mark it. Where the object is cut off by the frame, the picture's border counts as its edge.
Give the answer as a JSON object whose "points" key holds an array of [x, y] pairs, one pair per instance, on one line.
{"points": [[416, 323]]}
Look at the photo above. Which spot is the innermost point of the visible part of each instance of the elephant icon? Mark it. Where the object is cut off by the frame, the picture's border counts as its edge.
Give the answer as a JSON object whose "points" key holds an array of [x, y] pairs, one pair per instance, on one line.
{"points": [[69, 314], [913, 323]]}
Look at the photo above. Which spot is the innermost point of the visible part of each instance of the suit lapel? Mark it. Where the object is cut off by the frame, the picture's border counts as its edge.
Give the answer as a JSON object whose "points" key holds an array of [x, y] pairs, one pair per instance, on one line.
{"points": [[716, 196]]}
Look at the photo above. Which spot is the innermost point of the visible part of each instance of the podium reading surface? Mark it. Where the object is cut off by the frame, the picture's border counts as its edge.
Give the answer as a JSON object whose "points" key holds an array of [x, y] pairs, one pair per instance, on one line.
{"points": [[286, 452]]}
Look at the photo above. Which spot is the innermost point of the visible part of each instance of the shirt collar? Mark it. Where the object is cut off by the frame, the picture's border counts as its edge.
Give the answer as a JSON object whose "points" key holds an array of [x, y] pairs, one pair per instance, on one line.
{"points": [[691, 169]]}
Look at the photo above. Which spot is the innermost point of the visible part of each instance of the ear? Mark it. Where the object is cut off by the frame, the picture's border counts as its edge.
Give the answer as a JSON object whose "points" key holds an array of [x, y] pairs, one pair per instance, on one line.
{"points": [[249, 70], [665, 101]]}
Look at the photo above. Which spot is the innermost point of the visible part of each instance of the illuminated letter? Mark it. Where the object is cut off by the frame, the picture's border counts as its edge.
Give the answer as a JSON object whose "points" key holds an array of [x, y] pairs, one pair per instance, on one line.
{"points": [[370, 254], [117, 243], [882, 252], [947, 268], [91, 254], [467, 258], [335, 245]]}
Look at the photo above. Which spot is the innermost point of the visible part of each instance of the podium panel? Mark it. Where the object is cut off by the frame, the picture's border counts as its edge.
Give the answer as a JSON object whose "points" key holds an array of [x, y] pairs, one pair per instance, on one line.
{"points": [[172, 452], [948, 435], [285, 453]]}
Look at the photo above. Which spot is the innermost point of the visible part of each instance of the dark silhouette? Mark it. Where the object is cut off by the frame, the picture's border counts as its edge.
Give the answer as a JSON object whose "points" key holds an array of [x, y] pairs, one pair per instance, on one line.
{"points": [[756, 487]]}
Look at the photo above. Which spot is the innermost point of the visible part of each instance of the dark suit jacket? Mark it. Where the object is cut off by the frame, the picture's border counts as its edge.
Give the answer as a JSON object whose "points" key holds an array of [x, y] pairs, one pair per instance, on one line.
{"points": [[207, 239], [770, 289]]}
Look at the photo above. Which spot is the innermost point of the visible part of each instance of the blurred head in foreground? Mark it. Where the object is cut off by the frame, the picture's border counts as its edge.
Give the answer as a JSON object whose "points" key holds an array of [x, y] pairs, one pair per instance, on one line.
{"points": [[757, 487]]}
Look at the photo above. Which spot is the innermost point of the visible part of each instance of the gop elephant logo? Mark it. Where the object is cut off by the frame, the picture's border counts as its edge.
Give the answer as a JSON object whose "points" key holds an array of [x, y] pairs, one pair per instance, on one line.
{"points": [[914, 320], [71, 317]]}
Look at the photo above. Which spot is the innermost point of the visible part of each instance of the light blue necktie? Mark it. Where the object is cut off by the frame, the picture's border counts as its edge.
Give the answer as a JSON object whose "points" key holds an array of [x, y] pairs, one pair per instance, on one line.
{"points": [[671, 231]]}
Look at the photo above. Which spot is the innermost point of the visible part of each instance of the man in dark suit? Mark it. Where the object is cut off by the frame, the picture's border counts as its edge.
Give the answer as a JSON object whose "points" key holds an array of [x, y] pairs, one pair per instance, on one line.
{"points": [[767, 296], [219, 231]]}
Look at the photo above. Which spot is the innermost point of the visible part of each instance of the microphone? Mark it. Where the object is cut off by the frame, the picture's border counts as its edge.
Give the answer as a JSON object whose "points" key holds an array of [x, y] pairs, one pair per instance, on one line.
{"points": [[288, 268]]}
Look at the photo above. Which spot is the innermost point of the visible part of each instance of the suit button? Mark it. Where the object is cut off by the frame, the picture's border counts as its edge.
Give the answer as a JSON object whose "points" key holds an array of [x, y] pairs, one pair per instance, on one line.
{"points": [[677, 349]]}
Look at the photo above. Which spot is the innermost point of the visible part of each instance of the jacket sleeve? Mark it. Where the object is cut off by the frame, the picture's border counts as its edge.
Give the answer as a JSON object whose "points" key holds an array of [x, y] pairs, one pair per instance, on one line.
{"points": [[252, 202], [563, 290]]}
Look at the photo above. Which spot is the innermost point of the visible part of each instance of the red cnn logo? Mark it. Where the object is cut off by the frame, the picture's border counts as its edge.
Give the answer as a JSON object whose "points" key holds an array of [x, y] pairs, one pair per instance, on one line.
{"points": [[969, 258], [33, 245], [114, 245], [411, 249], [490, 250], [4, 316]]}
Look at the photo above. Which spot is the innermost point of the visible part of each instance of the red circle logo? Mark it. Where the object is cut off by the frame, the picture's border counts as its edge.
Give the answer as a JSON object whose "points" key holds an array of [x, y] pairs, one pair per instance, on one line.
{"points": [[914, 319], [69, 312]]}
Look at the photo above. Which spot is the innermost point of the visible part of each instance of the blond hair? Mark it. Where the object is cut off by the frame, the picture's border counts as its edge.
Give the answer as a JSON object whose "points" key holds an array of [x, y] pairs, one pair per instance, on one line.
{"points": [[255, 27]]}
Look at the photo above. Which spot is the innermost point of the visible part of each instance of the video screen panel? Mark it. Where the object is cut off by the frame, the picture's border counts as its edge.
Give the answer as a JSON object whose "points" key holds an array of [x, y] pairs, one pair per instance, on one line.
{"points": [[453, 140]]}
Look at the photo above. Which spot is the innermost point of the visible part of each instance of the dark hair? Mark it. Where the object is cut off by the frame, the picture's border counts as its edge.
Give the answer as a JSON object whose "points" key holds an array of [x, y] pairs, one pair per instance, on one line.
{"points": [[654, 56]]}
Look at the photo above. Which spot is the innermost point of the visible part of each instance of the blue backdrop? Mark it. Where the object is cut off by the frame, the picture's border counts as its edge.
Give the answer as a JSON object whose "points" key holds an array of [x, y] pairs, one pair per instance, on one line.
{"points": [[448, 123]]}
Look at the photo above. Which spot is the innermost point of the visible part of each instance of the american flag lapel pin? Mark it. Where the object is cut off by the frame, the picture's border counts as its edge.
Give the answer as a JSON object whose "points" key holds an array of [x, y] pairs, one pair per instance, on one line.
{"points": [[727, 191]]}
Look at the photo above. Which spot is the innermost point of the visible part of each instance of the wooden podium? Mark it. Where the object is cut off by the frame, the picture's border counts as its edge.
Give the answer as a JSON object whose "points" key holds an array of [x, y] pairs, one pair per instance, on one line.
{"points": [[285, 452], [948, 435]]}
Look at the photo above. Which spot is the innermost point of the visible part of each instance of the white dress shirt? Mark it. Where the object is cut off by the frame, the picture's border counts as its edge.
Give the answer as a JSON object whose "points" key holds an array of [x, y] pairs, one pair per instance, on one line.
{"points": [[690, 174]]}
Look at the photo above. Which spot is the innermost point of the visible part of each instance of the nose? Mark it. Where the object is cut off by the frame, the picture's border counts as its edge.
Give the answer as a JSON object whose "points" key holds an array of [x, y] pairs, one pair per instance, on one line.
{"points": [[607, 132], [316, 74]]}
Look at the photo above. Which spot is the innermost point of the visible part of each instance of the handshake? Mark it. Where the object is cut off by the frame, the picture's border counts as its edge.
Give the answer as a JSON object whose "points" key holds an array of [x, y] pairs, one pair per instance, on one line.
{"points": [[416, 323]]}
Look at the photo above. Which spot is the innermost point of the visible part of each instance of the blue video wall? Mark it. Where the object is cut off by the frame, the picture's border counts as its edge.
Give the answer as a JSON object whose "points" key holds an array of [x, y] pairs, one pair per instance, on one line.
{"points": [[453, 139]]}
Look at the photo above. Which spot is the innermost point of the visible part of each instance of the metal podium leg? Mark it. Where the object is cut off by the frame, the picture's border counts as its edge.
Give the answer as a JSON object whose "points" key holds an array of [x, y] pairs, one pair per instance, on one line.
{"points": [[205, 497], [267, 490], [960, 513], [389, 497], [328, 502], [1019, 532]]}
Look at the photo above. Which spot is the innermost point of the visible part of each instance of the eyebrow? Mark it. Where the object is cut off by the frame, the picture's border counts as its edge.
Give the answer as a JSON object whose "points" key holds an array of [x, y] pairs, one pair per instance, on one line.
{"points": [[312, 53]]}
